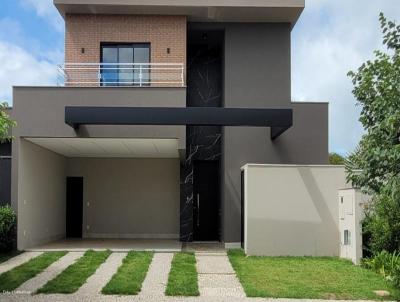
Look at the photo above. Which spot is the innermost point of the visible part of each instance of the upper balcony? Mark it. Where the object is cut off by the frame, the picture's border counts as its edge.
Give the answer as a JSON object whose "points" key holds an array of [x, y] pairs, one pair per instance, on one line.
{"points": [[121, 74]]}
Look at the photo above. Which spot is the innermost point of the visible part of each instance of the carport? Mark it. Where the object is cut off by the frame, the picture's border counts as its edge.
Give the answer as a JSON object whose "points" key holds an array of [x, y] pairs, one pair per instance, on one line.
{"points": [[91, 190]]}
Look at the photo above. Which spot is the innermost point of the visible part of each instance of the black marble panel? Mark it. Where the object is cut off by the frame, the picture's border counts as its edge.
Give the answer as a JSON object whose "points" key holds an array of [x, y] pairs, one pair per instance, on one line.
{"points": [[204, 80]]}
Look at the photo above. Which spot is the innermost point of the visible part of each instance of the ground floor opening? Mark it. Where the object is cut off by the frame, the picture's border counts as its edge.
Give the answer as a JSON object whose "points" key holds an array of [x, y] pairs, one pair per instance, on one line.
{"points": [[121, 192], [98, 189]]}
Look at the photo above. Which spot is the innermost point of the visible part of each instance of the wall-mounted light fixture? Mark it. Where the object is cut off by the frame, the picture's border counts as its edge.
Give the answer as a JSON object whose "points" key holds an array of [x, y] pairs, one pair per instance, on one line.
{"points": [[168, 50], [82, 50]]}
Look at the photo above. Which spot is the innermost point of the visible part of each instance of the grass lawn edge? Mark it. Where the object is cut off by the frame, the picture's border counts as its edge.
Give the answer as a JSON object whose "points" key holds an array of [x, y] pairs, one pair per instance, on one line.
{"points": [[307, 278], [183, 277]]}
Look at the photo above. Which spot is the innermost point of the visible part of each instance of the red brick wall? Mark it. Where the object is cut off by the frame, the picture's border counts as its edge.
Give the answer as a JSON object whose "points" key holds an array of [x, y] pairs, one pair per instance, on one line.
{"points": [[162, 32]]}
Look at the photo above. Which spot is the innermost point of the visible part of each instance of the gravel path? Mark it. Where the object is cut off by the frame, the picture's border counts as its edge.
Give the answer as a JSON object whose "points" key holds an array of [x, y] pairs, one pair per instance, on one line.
{"points": [[49, 273], [103, 274], [157, 277], [18, 260], [217, 277]]}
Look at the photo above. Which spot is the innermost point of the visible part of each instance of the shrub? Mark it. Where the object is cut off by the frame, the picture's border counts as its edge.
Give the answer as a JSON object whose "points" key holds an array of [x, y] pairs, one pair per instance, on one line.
{"points": [[382, 221], [386, 264], [8, 228]]}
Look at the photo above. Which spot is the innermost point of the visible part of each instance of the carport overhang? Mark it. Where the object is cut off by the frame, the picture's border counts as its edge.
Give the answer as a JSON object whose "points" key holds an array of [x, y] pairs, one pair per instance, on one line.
{"points": [[279, 120]]}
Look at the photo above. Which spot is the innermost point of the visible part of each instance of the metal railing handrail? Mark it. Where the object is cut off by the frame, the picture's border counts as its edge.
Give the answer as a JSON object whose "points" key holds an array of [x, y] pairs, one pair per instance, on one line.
{"points": [[142, 74], [156, 64]]}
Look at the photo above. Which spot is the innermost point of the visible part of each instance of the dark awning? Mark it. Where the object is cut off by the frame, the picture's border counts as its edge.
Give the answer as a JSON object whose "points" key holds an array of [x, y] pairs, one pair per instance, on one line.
{"points": [[278, 119]]}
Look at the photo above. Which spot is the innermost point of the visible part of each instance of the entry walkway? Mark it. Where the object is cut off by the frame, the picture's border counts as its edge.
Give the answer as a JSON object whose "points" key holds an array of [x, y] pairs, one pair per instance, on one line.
{"points": [[216, 276]]}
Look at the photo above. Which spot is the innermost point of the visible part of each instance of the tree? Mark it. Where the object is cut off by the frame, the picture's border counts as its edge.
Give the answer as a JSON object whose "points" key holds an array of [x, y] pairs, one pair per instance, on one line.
{"points": [[6, 123], [336, 159], [377, 90], [375, 164]]}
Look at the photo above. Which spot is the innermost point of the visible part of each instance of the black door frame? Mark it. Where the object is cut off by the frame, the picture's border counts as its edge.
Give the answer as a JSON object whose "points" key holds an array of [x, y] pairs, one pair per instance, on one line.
{"points": [[218, 193], [74, 212]]}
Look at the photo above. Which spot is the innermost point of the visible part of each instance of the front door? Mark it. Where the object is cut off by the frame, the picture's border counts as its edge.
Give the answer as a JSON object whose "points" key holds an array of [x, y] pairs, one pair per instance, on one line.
{"points": [[206, 205], [74, 207]]}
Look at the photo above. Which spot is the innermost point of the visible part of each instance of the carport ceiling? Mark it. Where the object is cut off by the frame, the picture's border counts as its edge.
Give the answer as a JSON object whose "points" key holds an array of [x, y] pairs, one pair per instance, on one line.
{"points": [[110, 147]]}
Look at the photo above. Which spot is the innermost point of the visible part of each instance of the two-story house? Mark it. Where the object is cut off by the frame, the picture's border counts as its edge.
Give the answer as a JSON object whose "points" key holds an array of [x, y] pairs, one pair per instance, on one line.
{"points": [[160, 104]]}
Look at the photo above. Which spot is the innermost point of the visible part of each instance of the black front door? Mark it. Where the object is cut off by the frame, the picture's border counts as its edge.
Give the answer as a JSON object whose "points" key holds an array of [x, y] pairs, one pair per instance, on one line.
{"points": [[74, 207], [206, 201]]}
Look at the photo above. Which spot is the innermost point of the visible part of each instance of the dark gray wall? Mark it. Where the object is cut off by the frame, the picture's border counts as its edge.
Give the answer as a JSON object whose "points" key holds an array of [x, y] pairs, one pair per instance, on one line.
{"points": [[258, 75]]}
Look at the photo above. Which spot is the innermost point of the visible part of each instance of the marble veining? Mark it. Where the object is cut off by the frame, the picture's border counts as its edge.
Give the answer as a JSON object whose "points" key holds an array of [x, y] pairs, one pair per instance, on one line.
{"points": [[202, 142]]}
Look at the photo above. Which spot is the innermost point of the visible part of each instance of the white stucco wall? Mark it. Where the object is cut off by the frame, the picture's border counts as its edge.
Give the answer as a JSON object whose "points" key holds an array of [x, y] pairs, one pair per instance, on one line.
{"points": [[292, 210], [129, 198], [41, 195], [351, 213]]}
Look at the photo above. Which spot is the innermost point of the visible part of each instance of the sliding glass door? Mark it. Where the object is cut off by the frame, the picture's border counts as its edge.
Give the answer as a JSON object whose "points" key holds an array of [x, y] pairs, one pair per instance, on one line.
{"points": [[125, 64]]}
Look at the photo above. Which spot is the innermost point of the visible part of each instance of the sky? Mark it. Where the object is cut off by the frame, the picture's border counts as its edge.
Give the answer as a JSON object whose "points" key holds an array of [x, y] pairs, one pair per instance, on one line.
{"points": [[331, 38]]}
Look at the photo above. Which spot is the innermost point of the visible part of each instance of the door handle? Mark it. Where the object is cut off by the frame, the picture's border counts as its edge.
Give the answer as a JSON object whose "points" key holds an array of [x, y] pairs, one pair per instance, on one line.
{"points": [[198, 210]]}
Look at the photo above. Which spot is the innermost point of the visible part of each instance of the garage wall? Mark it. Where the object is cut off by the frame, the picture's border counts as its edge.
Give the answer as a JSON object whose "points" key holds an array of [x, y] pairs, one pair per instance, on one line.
{"points": [[41, 191], [129, 198], [292, 210]]}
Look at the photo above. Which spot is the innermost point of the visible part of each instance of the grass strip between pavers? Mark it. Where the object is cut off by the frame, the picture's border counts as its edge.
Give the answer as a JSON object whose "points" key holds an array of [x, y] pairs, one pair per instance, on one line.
{"points": [[130, 275], [182, 279], [308, 278], [15, 277], [75, 275]]}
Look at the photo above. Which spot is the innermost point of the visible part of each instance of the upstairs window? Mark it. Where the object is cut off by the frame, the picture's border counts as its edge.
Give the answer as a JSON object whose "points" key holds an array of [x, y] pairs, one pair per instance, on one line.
{"points": [[125, 64]]}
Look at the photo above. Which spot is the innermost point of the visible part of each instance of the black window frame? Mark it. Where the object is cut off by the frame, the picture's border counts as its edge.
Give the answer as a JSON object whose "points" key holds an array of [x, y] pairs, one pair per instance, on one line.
{"points": [[118, 45]]}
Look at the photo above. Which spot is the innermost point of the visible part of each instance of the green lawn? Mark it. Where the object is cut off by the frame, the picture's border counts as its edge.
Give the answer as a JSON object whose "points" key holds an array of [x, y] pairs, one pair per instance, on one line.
{"points": [[307, 277], [182, 279], [5, 256], [130, 275], [74, 276], [12, 279]]}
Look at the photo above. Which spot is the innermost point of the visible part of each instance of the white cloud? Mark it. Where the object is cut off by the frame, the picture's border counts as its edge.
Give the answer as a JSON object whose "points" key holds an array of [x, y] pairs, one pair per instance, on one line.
{"points": [[47, 10], [332, 38], [19, 67]]}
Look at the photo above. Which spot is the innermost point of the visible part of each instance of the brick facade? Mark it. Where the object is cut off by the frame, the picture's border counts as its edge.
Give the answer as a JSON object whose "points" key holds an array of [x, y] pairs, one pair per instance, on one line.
{"points": [[89, 31]]}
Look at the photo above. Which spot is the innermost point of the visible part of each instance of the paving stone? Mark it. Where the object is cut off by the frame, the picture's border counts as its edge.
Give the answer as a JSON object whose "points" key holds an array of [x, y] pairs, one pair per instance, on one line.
{"points": [[49, 273], [218, 280], [382, 293], [207, 264], [222, 292], [217, 277], [18, 260], [103, 274], [157, 277]]}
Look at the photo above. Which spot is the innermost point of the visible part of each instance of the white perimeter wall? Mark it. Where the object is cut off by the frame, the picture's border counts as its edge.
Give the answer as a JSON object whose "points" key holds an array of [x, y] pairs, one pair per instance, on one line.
{"points": [[41, 195], [292, 210], [129, 198]]}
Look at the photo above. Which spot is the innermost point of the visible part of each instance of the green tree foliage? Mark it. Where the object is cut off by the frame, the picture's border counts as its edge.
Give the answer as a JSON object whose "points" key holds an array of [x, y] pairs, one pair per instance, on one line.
{"points": [[6, 123], [336, 159], [375, 164], [377, 89]]}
